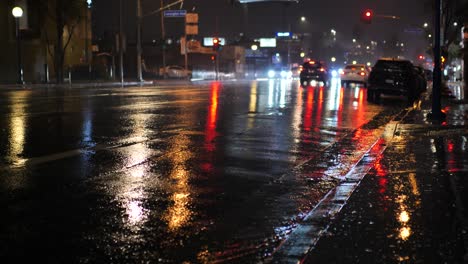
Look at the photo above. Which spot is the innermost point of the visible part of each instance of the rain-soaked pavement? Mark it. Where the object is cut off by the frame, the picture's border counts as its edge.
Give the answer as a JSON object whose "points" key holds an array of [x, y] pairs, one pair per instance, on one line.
{"points": [[206, 173], [412, 205]]}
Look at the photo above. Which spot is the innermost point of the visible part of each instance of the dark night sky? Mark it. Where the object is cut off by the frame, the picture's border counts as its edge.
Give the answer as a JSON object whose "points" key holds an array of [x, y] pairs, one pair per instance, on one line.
{"points": [[265, 19]]}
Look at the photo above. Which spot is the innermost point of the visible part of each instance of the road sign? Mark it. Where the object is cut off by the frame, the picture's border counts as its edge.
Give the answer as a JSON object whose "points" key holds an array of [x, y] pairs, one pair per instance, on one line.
{"points": [[191, 18], [175, 13], [191, 29]]}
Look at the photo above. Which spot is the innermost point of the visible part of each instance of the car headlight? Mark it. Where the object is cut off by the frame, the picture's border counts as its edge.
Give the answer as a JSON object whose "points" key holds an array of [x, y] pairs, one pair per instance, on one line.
{"points": [[283, 74], [271, 74], [334, 73]]}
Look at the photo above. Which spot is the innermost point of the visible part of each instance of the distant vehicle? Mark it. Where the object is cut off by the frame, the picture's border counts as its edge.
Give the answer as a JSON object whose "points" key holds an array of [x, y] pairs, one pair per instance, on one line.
{"points": [[354, 73], [394, 77], [428, 74], [296, 71], [279, 72], [175, 71], [314, 70]]}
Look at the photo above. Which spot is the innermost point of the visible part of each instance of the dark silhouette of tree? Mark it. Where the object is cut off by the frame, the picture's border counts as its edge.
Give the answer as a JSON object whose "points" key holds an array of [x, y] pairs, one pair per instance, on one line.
{"points": [[56, 18]]}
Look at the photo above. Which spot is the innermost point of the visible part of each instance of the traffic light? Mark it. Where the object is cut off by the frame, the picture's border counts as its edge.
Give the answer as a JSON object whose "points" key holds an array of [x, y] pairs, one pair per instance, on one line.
{"points": [[366, 16], [216, 44]]}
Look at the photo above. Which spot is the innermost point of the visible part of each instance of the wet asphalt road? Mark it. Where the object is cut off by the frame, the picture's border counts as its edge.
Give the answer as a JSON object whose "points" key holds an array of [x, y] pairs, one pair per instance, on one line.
{"points": [[204, 173]]}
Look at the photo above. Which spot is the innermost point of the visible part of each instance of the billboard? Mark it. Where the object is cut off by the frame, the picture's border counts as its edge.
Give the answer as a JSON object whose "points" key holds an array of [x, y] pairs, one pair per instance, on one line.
{"points": [[267, 42]]}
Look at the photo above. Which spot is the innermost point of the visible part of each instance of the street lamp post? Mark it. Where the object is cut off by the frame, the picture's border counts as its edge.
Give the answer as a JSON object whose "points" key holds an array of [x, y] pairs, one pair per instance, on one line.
{"points": [[139, 49], [17, 13]]}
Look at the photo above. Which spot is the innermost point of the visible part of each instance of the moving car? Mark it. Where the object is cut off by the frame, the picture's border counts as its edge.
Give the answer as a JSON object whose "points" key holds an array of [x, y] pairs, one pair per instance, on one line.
{"points": [[394, 77], [279, 72], [314, 70], [175, 71], [354, 73]]}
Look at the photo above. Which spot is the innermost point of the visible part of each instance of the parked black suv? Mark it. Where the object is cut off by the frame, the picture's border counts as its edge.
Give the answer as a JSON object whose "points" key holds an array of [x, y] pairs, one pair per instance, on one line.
{"points": [[394, 77], [314, 70]]}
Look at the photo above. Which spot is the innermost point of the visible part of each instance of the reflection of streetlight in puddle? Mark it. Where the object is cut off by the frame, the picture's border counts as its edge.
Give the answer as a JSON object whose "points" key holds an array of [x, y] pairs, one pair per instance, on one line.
{"points": [[135, 212], [132, 183], [405, 233], [179, 213], [404, 217], [17, 127]]}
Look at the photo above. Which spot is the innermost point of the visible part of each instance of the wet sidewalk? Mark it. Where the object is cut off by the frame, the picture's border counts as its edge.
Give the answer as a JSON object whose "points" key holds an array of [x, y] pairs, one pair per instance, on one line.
{"points": [[411, 207]]}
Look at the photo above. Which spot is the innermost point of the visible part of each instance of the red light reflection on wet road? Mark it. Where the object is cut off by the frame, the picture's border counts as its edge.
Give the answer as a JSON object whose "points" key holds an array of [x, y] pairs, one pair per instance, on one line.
{"points": [[212, 117]]}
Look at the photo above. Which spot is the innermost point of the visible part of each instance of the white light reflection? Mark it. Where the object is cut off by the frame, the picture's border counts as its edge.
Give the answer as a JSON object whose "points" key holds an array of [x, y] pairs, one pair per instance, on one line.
{"points": [[88, 129], [135, 211], [271, 89], [297, 117], [333, 98], [356, 92], [282, 97], [133, 182]]}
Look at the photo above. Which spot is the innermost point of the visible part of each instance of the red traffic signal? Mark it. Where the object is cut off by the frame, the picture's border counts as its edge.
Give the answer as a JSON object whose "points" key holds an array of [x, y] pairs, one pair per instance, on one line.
{"points": [[216, 43], [366, 16]]}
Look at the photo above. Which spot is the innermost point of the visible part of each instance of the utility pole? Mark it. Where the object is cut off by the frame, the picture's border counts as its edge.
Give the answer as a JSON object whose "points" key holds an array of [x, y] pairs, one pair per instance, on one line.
{"points": [[436, 113], [139, 32], [163, 36], [138, 48], [121, 44]]}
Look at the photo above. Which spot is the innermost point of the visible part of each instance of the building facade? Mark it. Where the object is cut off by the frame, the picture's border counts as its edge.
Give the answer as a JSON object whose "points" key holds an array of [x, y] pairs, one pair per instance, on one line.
{"points": [[37, 39]]}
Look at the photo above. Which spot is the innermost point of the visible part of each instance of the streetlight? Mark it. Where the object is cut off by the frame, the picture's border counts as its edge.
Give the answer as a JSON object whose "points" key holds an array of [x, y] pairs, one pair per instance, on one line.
{"points": [[17, 13], [333, 32], [138, 44], [425, 25], [303, 18]]}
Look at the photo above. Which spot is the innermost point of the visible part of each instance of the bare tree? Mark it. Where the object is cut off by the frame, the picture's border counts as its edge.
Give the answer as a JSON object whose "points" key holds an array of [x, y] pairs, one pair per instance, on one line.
{"points": [[56, 18]]}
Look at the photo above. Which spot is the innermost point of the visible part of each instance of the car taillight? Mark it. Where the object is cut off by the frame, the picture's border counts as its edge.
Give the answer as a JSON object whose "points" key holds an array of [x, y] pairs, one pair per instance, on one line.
{"points": [[362, 73], [341, 72], [322, 69]]}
